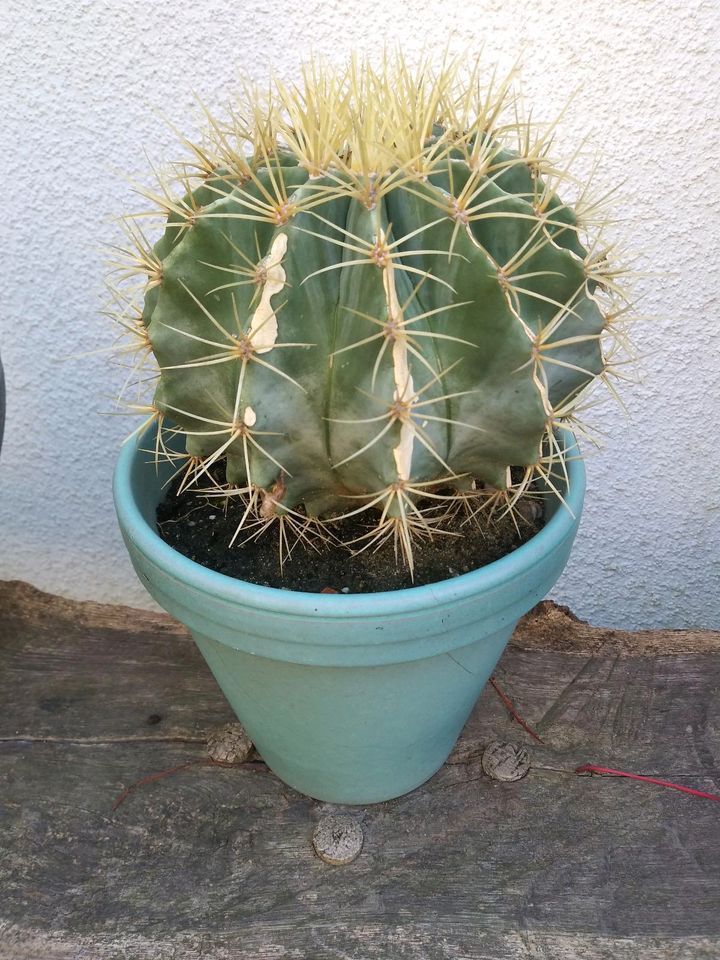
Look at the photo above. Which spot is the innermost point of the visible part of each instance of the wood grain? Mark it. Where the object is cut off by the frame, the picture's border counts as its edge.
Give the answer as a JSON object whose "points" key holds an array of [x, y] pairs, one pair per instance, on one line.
{"points": [[217, 862]]}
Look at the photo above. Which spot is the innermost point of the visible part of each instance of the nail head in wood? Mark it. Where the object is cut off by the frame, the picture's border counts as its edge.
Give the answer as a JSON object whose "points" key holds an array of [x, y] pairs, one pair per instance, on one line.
{"points": [[338, 840], [229, 744], [505, 761]]}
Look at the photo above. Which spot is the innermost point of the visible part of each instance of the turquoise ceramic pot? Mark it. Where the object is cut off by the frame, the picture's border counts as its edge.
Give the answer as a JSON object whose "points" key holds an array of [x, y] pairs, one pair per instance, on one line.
{"points": [[348, 698]]}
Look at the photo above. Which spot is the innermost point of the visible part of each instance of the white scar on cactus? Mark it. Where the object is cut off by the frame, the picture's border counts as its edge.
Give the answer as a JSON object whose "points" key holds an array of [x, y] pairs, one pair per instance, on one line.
{"points": [[249, 417], [404, 388], [264, 326]]}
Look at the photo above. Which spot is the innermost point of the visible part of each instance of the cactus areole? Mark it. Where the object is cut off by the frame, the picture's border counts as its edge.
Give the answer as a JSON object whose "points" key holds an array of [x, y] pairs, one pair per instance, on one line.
{"points": [[370, 296]]}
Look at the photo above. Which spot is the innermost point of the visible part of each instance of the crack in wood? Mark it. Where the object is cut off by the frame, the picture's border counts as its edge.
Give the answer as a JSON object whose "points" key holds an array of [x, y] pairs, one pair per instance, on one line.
{"points": [[99, 741]]}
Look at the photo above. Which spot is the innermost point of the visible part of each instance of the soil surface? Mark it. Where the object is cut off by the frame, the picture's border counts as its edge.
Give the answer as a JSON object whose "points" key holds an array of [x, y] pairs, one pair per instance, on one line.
{"points": [[202, 528]]}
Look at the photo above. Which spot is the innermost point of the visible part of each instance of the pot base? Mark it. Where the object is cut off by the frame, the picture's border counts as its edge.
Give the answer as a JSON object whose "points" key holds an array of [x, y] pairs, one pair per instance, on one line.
{"points": [[352, 734]]}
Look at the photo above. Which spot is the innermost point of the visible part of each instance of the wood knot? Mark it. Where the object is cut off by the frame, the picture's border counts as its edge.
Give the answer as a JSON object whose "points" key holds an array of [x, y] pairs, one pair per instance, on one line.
{"points": [[338, 840], [229, 744], [505, 762]]}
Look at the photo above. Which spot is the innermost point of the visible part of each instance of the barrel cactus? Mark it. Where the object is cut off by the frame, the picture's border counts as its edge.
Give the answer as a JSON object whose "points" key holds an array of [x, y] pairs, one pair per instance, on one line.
{"points": [[369, 298]]}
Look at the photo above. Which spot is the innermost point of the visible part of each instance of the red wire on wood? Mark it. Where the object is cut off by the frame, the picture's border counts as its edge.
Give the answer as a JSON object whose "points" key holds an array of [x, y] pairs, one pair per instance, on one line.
{"points": [[513, 712], [593, 768], [608, 771], [204, 761], [154, 776]]}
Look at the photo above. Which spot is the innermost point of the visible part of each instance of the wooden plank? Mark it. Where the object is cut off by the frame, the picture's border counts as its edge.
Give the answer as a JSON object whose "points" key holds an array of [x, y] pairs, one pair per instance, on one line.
{"points": [[98, 672], [217, 862]]}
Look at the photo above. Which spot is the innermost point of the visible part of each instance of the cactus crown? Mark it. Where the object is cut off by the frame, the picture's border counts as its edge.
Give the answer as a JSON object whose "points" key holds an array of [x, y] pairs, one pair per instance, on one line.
{"points": [[369, 298]]}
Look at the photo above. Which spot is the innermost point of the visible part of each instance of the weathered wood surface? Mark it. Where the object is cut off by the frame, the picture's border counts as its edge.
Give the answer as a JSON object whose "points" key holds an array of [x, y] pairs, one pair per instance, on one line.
{"points": [[217, 863]]}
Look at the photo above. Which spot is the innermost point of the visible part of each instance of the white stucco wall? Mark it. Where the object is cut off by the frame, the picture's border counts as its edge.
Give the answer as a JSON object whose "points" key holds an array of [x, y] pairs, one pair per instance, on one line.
{"points": [[82, 83]]}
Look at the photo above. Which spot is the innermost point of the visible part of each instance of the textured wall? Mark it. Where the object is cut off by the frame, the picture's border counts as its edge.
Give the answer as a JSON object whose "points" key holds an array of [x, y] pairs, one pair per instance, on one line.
{"points": [[85, 83]]}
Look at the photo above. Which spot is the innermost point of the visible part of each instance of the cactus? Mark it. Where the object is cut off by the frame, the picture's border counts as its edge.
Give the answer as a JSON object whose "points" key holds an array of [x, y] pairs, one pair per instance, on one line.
{"points": [[369, 298]]}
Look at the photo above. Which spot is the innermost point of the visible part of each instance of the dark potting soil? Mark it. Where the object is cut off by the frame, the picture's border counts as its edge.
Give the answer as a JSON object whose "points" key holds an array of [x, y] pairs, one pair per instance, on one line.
{"points": [[201, 529]]}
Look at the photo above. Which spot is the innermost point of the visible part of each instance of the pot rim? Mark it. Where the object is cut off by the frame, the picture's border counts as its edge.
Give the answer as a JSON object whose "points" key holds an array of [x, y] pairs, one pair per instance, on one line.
{"points": [[385, 603]]}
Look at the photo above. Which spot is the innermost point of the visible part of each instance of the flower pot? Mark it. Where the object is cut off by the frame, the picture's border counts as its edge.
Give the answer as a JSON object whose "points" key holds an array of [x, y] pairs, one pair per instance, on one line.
{"points": [[2, 404], [348, 698]]}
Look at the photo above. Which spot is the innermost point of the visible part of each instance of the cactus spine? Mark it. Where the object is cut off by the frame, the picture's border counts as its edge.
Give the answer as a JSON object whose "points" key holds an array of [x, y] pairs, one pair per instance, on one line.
{"points": [[369, 298]]}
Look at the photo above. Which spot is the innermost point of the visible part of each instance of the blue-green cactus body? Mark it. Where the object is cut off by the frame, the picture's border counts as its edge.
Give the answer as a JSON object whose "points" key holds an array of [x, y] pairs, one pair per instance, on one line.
{"points": [[338, 337]]}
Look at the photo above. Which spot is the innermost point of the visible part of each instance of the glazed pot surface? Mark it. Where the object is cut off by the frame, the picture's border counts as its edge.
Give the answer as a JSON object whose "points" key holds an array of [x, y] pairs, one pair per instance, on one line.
{"points": [[349, 698]]}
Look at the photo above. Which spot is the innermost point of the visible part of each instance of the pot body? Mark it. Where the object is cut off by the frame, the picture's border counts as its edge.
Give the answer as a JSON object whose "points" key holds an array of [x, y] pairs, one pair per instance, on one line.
{"points": [[348, 698], [2, 403]]}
